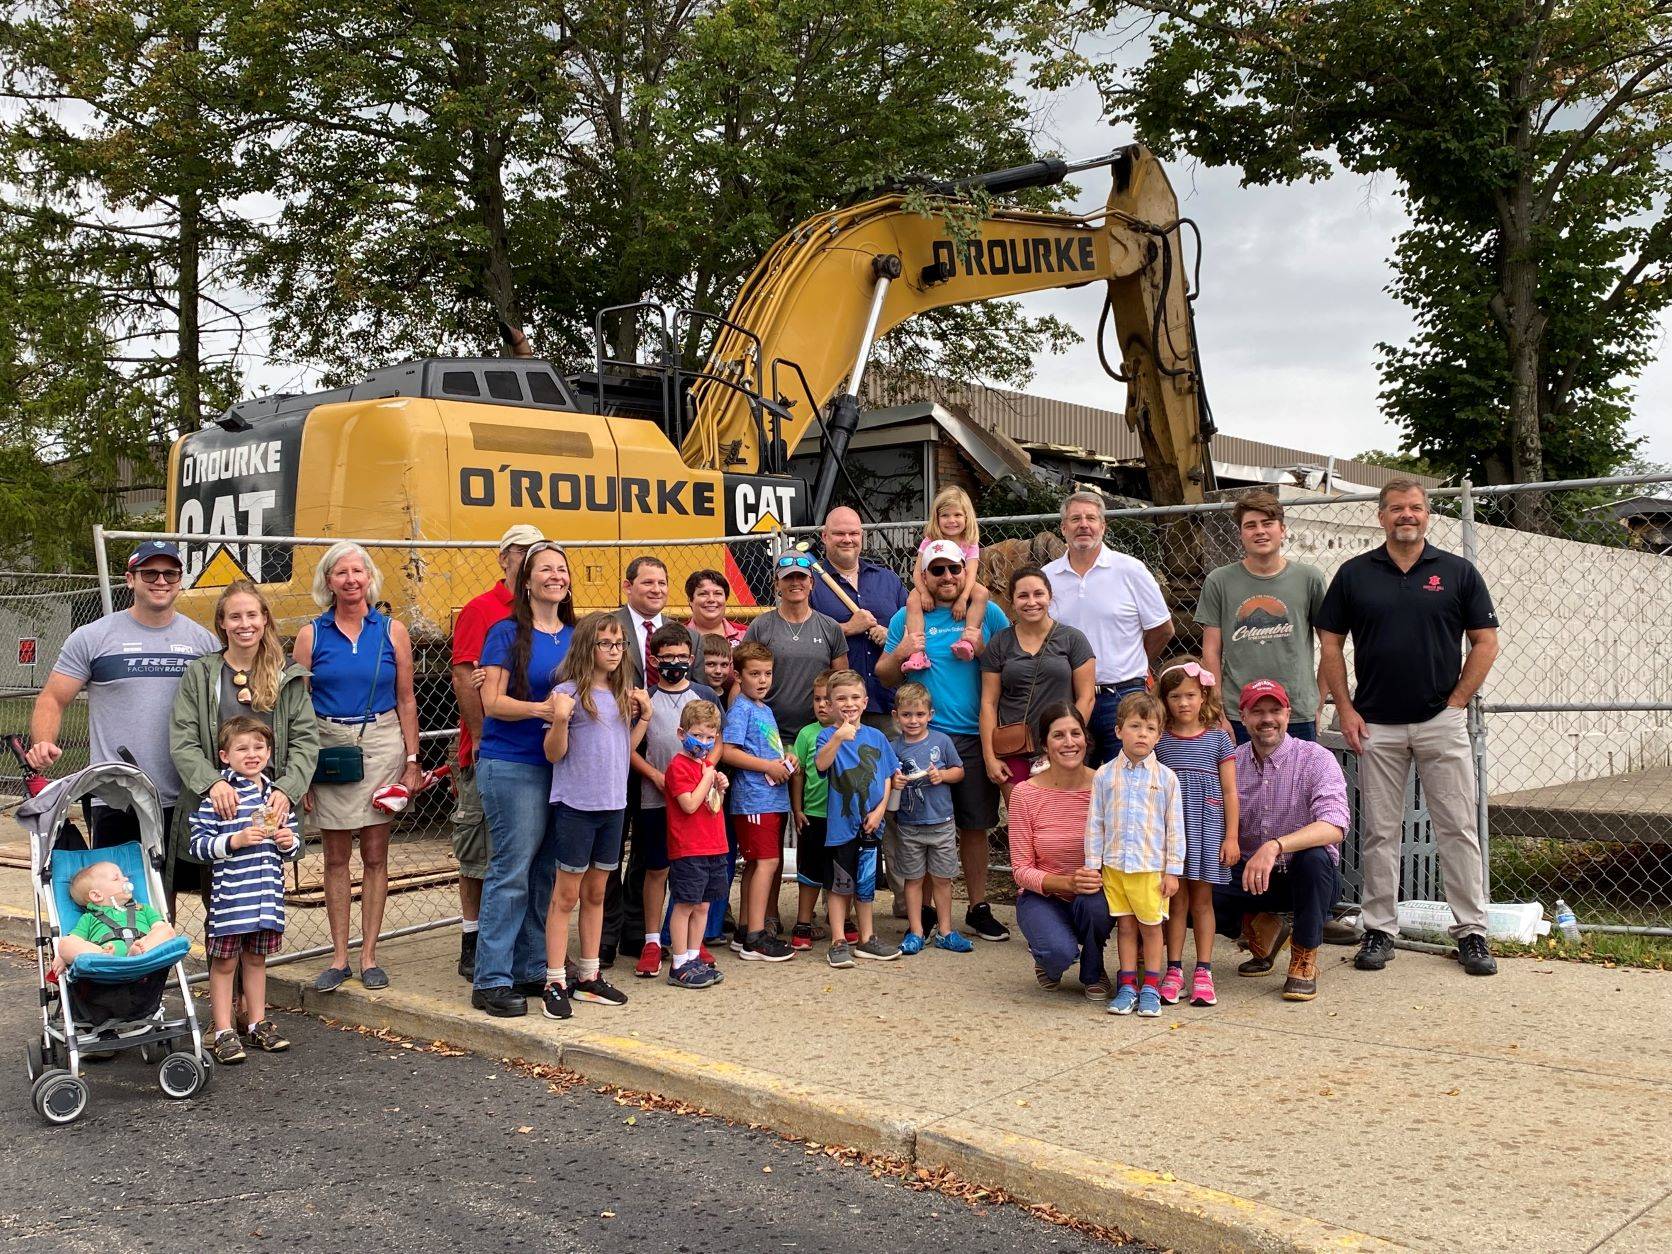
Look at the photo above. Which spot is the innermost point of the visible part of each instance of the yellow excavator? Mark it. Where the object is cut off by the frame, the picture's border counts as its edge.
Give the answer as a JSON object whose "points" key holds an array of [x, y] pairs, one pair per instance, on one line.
{"points": [[449, 449]]}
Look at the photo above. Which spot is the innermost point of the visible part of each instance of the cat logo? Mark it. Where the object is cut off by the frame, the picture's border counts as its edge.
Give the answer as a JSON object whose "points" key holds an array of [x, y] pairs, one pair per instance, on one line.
{"points": [[220, 569], [761, 504]]}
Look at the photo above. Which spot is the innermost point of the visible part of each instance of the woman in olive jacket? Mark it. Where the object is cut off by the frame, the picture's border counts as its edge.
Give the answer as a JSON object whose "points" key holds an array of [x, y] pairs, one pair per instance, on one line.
{"points": [[250, 676]]}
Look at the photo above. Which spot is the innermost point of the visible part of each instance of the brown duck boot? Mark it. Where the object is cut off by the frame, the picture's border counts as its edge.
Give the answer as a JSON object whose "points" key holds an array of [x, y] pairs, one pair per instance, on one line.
{"points": [[1264, 935], [1302, 984]]}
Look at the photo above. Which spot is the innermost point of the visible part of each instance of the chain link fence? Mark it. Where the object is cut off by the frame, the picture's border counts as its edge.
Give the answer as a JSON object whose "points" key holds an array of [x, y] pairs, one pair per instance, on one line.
{"points": [[1574, 730]]}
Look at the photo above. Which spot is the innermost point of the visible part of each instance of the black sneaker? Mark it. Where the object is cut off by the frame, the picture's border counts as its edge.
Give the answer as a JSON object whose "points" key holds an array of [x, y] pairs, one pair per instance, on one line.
{"points": [[979, 919], [606, 957], [765, 947], [1375, 951], [535, 988], [467, 955], [599, 992], [931, 919], [555, 1000], [500, 1002], [1472, 953]]}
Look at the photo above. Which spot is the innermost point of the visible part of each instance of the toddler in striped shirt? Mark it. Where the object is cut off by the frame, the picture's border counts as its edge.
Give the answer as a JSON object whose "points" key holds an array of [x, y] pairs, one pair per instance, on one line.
{"points": [[246, 894], [1135, 838]]}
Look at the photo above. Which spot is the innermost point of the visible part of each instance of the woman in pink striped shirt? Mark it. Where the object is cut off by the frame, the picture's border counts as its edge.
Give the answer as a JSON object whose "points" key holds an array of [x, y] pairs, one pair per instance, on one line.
{"points": [[1060, 909]]}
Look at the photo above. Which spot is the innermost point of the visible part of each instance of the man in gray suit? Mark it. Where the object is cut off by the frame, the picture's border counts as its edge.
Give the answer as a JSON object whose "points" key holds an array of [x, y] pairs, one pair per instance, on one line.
{"points": [[645, 591]]}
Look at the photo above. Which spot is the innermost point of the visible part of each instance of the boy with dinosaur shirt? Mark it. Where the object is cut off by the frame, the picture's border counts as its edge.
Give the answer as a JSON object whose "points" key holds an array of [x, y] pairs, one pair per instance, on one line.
{"points": [[858, 765]]}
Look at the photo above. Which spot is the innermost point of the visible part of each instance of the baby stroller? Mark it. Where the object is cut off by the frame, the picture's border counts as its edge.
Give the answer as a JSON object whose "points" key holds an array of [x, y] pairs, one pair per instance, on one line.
{"points": [[103, 1002]]}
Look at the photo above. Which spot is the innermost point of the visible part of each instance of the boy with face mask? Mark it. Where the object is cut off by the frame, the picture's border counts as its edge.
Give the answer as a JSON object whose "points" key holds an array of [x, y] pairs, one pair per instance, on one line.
{"points": [[696, 842], [670, 645]]}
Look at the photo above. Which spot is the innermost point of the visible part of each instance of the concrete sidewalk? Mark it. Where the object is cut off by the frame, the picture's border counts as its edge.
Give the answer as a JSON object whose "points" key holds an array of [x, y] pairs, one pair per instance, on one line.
{"points": [[1417, 1107]]}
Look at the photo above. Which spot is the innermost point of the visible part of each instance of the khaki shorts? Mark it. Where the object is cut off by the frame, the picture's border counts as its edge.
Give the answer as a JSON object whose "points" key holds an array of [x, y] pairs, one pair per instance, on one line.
{"points": [[348, 807], [470, 827]]}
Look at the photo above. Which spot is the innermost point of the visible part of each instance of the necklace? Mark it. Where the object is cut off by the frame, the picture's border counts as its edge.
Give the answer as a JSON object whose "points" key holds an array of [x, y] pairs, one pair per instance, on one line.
{"points": [[795, 629]]}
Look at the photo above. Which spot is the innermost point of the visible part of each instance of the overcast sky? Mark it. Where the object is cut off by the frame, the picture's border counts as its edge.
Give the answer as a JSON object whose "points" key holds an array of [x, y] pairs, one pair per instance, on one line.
{"points": [[1292, 304]]}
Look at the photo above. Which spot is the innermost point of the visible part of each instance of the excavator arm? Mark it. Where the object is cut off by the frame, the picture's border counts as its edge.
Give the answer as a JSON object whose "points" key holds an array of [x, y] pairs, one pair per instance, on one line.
{"points": [[825, 292]]}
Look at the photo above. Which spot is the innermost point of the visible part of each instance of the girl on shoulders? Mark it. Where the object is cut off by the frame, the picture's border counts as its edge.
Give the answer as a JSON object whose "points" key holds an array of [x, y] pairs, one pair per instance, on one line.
{"points": [[1200, 753], [952, 518]]}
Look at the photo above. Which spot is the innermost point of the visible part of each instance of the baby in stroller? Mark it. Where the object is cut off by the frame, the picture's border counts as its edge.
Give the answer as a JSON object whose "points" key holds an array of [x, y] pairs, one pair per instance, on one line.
{"points": [[112, 922]]}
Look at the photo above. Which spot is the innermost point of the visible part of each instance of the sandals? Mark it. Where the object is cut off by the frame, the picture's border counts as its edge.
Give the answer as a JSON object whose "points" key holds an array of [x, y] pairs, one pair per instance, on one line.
{"points": [[265, 1036], [227, 1050]]}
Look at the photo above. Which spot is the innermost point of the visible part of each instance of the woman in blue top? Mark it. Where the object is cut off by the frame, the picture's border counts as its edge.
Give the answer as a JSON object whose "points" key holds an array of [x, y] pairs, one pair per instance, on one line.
{"points": [[520, 658], [361, 662]]}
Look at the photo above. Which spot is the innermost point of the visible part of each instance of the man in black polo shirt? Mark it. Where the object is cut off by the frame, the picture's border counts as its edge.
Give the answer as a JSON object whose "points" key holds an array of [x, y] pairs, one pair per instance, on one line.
{"points": [[1407, 606]]}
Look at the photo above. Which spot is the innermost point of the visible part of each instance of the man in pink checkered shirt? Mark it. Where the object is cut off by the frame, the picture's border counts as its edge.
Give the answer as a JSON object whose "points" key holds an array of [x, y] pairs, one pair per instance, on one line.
{"points": [[1293, 817]]}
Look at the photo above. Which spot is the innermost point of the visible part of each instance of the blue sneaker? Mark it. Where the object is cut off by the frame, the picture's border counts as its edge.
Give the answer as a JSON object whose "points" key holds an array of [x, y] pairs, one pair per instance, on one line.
{"points": [[912, 944], [1126, 998], [956, 941], [1149, 1002], [693, 975]]}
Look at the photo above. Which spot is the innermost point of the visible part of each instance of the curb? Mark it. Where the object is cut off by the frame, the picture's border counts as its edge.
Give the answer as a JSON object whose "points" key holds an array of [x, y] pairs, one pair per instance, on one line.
{"points": [[1149, 1205]]}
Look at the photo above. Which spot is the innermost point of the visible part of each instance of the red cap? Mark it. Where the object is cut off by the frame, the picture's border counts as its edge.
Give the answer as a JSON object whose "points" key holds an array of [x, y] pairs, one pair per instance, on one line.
{"points": [[1263, 688]]}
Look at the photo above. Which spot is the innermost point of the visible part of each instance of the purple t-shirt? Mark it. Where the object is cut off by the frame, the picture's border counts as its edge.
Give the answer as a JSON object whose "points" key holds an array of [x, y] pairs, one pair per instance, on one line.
{"points": [[593, 774]]}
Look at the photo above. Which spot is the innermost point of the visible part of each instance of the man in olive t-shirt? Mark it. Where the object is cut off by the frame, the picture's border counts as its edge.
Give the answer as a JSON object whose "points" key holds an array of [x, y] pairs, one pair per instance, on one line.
{"points": [[1256, 615]]}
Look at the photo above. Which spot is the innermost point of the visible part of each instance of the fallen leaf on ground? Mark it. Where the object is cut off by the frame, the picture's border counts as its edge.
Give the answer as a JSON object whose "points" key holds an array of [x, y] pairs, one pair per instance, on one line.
{"points": [[526, 1129]]}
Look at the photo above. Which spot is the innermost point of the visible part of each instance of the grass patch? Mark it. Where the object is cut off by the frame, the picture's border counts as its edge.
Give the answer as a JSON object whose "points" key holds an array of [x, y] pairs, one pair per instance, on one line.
{"points": [[1605, 949], [1624, 882], [72, 738]]}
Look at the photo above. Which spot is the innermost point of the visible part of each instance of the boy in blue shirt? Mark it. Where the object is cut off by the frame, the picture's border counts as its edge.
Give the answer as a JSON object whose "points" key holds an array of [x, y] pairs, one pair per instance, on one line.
{"points": [[760, 798], [858, 765], [926, 838]]}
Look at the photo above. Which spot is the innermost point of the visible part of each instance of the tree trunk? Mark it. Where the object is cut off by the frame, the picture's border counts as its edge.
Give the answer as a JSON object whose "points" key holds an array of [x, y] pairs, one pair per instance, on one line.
{"points": [[189, 375], [1523, 326]]}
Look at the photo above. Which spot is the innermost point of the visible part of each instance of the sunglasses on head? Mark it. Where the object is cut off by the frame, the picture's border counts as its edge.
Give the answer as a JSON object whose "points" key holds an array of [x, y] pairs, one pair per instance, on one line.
{"points": [[946, 568], [795, 561]]}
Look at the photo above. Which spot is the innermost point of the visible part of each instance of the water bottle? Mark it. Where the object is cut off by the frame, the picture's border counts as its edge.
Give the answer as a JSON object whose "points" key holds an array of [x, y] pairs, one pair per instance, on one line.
{"points": [[1566, 923]]}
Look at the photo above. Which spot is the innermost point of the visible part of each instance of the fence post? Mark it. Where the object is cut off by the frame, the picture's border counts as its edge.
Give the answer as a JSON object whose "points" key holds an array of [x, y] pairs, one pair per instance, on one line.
{"points": [[102, 557], [1477, 712]]}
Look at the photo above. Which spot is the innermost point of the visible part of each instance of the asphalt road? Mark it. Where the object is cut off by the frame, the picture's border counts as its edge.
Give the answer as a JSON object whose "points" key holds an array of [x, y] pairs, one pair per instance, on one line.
{"points": [[348, 1143]]}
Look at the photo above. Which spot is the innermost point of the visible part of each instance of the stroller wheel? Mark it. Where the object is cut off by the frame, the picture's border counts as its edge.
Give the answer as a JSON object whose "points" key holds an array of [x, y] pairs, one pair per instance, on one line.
{"points": [[182, 1075], [153, 1054], [59, 1096], [35, 1057]]}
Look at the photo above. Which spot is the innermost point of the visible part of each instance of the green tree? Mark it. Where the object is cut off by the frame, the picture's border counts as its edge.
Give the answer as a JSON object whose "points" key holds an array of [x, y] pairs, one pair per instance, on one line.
{"points": [[1528, 141]]}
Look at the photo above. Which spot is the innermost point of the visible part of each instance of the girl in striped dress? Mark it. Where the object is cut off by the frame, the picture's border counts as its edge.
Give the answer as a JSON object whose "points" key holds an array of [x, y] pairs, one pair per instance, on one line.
{"points": [[1201, 754]]}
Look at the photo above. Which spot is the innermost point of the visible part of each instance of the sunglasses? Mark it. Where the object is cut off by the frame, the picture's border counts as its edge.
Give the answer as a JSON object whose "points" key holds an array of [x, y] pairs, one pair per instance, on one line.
{"points": [[241, 682], [1195, 670], [795, 562], [160, 574], [946, 568]]}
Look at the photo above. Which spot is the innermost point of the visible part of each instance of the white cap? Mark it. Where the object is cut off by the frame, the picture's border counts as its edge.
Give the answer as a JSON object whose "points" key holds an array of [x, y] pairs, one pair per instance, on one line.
{"points": [[944, 550], [520, 533]]}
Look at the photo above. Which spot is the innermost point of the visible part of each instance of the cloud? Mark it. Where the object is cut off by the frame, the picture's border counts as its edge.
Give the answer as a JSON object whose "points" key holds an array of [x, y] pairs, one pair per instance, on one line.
{"points": [[1292, 303]]}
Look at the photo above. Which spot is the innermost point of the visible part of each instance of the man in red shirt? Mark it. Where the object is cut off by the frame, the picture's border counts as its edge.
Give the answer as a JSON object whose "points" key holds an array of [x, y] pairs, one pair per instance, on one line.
{"points": [[470, 828]]}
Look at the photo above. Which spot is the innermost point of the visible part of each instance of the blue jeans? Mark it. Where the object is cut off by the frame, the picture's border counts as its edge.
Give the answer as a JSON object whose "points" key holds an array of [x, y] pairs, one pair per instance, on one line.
{"points": [[522, 866], [1306, 888], [1105, 743], [1300, 729], [588, 839], [1059, 933]]}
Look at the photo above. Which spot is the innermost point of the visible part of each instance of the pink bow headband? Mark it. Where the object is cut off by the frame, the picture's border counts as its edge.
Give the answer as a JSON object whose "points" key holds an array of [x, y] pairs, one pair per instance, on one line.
{"points": [[1195, 670]]}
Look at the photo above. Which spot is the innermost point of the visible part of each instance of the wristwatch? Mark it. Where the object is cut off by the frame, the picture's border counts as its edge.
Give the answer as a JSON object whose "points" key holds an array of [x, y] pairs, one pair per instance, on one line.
{"points": [[413, 758]]}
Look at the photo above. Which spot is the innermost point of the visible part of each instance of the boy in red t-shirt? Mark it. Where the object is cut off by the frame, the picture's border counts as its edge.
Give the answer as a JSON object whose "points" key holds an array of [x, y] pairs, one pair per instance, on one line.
{"points": [[697, 872]]}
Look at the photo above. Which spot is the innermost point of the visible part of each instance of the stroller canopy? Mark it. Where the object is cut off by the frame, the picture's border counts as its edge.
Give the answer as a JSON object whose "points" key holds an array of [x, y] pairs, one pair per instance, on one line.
{"points": [[116, 784]]}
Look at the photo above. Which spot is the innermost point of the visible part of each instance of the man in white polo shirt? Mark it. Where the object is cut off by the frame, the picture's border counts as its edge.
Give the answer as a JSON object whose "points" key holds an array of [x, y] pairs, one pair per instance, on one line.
{"points": [[1116, 602]]}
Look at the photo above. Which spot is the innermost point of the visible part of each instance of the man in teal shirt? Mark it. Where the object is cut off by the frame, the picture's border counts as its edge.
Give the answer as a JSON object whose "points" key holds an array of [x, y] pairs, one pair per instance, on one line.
{"points": [[954, 685]]}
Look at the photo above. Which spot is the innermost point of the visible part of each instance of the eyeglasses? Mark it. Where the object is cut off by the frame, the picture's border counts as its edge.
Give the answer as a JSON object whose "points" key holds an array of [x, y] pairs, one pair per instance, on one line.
{"points": [[795, 561], [610, 646], [946, 568], [160, 574], [1195, 670]]}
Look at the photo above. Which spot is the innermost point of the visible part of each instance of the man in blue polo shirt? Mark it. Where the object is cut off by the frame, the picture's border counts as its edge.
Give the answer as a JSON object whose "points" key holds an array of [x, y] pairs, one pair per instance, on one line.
{"points": [[1407, 605], [954, 686]]}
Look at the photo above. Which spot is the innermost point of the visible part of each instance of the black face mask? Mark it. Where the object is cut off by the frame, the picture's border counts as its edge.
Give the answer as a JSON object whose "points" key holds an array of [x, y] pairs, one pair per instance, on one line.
{"points": [[673, 672]]}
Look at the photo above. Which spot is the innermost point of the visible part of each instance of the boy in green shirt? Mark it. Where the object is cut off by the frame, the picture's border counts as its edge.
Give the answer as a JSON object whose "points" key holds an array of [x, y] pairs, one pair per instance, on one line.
{"points": [[111, 922], [809, 794]]}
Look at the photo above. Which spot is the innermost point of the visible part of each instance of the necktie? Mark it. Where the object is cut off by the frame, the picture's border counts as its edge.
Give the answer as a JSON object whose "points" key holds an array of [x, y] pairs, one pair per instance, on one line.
{"points": [[650, 670]]}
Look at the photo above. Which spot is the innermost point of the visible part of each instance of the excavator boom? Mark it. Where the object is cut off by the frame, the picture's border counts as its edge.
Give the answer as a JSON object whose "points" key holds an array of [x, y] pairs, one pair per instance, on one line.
{"points": [[826, 291]]}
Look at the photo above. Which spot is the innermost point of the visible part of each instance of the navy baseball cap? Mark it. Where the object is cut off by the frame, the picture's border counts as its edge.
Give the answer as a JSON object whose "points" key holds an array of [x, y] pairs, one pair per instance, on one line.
{"points": [[156, 548]]}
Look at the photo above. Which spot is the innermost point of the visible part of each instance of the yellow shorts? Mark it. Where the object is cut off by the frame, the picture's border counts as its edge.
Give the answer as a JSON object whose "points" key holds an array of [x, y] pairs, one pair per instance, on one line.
{"points": [[1136, 893]]}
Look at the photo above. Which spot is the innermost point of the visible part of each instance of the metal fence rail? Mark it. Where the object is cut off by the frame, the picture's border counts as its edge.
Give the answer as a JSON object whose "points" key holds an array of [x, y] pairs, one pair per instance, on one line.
{"points": [[1573, 731]]}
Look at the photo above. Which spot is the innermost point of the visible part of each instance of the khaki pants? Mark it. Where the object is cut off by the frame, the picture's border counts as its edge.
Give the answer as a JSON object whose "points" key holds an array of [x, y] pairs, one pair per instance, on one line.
{"points": [[1440, 749]]}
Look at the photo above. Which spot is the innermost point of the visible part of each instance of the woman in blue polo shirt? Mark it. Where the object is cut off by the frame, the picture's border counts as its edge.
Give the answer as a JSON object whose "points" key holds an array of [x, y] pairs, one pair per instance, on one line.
{"points": [[520, 658], [361, 664]]}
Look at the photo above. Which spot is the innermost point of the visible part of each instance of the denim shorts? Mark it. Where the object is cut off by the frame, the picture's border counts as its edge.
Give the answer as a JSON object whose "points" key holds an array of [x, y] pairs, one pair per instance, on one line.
{"points": [[588, 839]]}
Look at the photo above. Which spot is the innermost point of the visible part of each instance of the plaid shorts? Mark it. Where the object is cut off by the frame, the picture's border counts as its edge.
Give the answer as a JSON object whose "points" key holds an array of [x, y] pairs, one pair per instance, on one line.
{"points": [[262, 941]]}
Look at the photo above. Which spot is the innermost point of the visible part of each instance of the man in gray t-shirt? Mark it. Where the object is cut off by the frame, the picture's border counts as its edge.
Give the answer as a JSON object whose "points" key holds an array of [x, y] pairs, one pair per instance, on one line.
{"points": [[130, 664], [1256, 616], [803, 643]]}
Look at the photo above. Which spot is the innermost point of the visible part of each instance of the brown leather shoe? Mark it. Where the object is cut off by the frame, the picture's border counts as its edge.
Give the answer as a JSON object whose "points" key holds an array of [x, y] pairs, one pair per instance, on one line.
{"points": [[1302, 984], [1264, 935]]}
